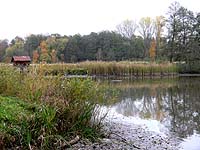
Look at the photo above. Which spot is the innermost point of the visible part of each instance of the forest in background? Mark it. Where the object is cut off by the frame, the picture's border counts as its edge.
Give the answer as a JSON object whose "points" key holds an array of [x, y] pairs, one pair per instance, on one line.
{"points": [[175, 37]]}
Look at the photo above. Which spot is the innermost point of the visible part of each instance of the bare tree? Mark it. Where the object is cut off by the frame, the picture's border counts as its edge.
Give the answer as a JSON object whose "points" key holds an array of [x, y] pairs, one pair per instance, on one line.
{"points": [[159, 25], [127, 28], [146, 30]]}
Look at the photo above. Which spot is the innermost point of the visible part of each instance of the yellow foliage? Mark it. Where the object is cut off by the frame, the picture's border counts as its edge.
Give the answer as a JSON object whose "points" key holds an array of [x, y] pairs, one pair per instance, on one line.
{"points": [[35, 56], [43, 45], [152, 50]]}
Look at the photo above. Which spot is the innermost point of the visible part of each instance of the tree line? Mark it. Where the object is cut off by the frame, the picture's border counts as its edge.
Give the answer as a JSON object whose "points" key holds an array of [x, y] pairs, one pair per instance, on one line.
{"points": [[175, 37]]}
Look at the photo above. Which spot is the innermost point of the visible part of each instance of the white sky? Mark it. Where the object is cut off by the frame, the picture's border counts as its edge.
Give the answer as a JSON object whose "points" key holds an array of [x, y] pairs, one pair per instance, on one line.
{"points": [[68, 17]]}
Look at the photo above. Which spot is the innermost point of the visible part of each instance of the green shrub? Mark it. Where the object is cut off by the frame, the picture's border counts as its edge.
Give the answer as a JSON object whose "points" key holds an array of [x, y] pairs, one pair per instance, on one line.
{"points": [[191, 67]]}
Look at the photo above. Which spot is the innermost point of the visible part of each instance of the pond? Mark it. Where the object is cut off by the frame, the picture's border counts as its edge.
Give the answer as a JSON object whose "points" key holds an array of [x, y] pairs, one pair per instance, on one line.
{"points": [[161, 105]]}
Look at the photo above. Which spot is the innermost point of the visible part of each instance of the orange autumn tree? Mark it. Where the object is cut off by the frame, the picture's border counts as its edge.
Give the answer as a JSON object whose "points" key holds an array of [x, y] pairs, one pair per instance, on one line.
{"points": [[44, 55], [152, 50], [35, 56]]}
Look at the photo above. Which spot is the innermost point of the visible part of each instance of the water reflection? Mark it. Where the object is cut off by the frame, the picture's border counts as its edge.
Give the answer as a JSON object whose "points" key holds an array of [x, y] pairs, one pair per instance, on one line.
{"points": [[173, 102]]}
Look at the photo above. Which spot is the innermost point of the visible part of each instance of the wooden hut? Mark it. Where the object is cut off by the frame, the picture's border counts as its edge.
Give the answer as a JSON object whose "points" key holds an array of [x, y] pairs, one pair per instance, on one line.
{"points": [[21, 61]]}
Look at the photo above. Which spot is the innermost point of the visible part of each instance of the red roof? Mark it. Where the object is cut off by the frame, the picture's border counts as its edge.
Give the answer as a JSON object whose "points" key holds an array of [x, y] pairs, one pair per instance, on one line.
{"points": [[21, 58]]}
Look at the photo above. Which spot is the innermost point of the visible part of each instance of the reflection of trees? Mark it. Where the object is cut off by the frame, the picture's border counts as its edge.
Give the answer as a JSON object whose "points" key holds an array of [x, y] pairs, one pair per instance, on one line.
{"points": [[177, 106], [143, 102], [184, 107]]}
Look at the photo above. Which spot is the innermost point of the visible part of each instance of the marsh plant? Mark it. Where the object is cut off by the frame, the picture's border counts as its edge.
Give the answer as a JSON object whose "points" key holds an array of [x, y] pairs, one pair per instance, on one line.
{"points": [[38, 111], [113, 68], [128, 68]]}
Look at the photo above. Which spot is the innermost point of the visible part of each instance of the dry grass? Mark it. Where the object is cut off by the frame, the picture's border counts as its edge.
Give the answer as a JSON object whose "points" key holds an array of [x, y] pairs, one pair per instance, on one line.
{"points": [[100, 68], [127, 68]]}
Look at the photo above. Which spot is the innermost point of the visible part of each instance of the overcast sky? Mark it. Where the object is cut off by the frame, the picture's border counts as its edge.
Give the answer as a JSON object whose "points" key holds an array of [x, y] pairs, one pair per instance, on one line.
{"points": [[68, 17]]}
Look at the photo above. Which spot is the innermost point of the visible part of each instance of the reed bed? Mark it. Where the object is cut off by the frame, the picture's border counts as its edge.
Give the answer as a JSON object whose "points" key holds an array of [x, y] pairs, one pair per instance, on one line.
{"points": [[128, 68], [100, 68]]}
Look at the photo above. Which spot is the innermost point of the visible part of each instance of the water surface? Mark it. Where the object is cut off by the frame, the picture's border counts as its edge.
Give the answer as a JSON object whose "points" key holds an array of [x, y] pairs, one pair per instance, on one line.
{"points": [[162, 105]]}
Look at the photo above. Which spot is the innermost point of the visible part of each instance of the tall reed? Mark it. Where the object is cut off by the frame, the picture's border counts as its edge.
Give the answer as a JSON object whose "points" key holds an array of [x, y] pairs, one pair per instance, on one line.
{"points": [[100, 68], [127, 68]]}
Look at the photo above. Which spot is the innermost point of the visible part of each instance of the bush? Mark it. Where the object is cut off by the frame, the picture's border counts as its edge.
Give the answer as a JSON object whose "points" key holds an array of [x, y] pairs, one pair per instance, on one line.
{"points": [[77, 71], [191, 67]]}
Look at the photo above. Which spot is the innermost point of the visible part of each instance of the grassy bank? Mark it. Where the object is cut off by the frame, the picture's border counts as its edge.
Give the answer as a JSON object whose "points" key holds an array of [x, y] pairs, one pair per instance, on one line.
{"points": [[43, 112], [126, 68]]}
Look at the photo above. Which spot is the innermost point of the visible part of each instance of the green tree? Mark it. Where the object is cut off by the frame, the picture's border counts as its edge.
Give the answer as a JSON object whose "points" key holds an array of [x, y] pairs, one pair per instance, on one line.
{"points": [[138, 45], [32, 42], [193, 55], [172, 26], [3, 46], [16, 47], [181, 30], [61, 43], [72, 49], [186, 21]]}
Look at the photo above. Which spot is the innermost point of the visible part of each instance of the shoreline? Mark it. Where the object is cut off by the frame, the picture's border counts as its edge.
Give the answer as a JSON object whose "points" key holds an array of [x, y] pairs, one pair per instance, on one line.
{"points": [[123, 133], [134, 137]]}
